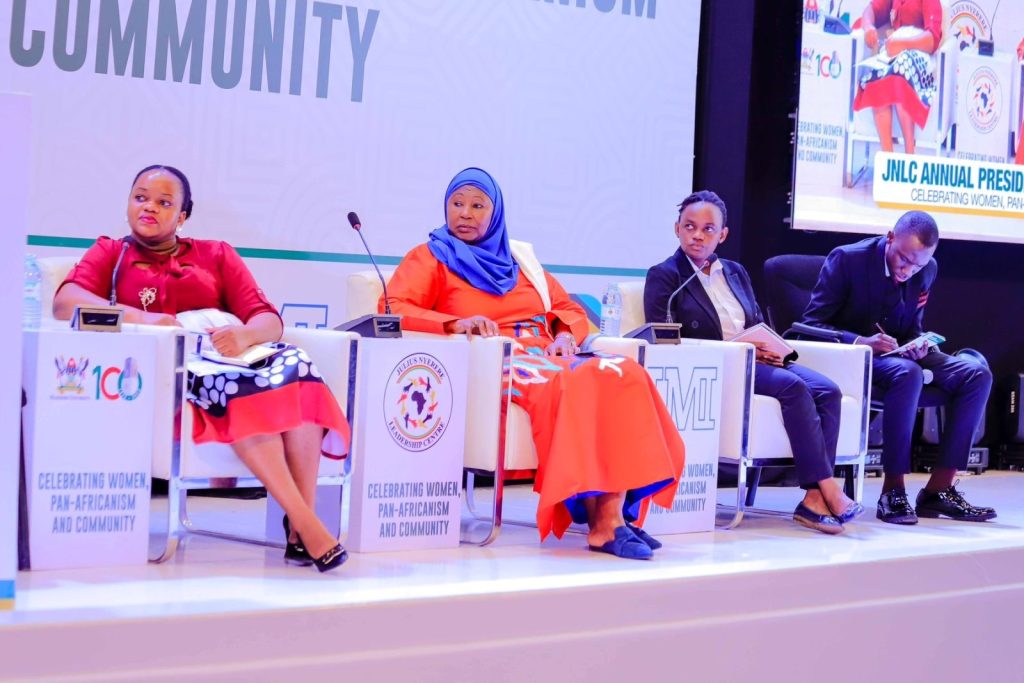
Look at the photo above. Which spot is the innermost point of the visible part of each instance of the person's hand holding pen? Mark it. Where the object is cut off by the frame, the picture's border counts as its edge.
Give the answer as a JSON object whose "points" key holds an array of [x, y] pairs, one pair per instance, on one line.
{"points": [[880, 343]]}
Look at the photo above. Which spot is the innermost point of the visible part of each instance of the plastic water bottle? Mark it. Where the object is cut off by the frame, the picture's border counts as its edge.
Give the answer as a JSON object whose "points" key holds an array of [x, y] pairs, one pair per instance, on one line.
{"points": [[611, 311], [32, 298]]}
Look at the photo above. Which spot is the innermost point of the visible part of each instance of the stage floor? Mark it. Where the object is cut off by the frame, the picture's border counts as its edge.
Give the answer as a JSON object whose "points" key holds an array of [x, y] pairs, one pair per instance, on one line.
{"points": [[219, 579]]}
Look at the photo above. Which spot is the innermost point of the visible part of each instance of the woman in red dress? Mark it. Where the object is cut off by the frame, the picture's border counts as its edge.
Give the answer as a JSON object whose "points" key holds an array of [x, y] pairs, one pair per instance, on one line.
{"points": [[605, 442], [274, 416], [906, 85]]}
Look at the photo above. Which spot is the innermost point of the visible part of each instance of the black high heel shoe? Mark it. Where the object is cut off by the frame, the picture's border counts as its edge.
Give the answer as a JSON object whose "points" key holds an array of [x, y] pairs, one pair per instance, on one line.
{"points": [[294, 553], [335, 557]]}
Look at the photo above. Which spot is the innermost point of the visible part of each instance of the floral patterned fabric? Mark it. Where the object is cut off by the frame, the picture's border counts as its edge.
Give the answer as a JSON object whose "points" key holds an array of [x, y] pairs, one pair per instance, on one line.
{"points": [[908, 80], [283, 392]]}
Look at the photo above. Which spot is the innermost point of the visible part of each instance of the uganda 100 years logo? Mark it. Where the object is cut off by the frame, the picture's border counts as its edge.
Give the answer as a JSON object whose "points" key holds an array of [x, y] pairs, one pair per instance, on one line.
{"points": [[418, 402]]}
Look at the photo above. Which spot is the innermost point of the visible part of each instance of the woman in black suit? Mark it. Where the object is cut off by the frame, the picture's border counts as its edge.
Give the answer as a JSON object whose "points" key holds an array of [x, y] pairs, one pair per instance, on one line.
{"points": [[718, 304]]}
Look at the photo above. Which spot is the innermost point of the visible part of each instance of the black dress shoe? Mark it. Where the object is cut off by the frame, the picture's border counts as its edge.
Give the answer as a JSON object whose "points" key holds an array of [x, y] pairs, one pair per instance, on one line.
{"points": [[951, 503], [335, 557], [894, 508], [294, 553]]}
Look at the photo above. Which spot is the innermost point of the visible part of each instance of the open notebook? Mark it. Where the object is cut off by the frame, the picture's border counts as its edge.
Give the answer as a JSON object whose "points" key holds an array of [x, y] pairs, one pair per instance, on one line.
{"points": [[201, 320], [761, 333]]}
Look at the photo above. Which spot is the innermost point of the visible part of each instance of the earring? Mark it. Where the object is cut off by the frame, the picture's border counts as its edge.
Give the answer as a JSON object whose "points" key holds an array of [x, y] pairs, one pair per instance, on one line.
{"points": [[178, 230]]}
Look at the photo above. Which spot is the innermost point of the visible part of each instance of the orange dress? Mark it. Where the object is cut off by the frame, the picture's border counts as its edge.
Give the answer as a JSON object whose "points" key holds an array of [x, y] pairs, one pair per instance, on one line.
{"points": [[598, 422]]}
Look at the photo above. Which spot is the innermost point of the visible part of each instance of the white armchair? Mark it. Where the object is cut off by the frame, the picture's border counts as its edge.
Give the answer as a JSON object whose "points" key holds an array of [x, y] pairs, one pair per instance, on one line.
{"points": [[490, 414], [935, 136], [752, 433], [186, 465]]}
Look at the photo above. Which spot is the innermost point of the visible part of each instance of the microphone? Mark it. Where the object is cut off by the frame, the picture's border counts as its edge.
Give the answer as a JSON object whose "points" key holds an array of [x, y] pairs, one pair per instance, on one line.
{"points": [[371, 325], [353, 220], [117, 266], [986, 48], [668, 308]]}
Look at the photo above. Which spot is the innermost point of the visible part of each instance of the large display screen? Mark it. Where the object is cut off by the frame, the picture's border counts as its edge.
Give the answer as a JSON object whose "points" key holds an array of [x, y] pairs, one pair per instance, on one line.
{"points": [[911, 104]]}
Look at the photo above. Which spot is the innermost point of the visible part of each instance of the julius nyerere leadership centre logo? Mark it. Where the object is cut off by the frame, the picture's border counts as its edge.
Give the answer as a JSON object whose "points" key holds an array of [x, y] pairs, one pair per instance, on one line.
{"points": [[418, 402]]}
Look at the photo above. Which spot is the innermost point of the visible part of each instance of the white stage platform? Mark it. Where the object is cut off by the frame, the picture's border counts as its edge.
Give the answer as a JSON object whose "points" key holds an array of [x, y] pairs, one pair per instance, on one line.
{"points": [[768, 601]]}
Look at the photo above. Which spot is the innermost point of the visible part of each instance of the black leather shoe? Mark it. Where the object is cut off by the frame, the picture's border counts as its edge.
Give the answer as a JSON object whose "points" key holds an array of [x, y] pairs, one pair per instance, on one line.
{"points": [[294, 553], [894, 508], [950, 503], [335, 557]]}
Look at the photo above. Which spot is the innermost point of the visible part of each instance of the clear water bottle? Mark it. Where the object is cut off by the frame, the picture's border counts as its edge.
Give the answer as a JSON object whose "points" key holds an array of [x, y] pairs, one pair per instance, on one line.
{"points": [[611, 311], [32, 298]]}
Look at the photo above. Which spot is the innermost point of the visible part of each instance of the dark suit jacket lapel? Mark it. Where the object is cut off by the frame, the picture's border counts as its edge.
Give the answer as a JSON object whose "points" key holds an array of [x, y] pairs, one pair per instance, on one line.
{"points": [[875, 276], [696, 289], [736, 284]]}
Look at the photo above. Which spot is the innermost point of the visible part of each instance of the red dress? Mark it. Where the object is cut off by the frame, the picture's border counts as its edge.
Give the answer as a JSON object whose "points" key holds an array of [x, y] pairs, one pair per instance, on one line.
{"points": [[908, 81], [211, 274], [598, 422]]}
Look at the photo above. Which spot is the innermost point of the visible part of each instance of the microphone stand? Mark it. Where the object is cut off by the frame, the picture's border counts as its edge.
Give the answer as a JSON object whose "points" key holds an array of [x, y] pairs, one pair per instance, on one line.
{"points": [[373, 325]]}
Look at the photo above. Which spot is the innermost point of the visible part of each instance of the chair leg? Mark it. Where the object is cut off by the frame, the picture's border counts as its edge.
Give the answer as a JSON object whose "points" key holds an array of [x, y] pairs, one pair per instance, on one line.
{"points": [[496, 507], [755, 480], [740, 508], [850, 481], [176, 496]]}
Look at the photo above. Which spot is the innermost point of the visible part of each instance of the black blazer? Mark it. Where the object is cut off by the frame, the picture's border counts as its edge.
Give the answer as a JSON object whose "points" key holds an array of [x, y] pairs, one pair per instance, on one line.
{"points": [[853, 294], [692, 307]]}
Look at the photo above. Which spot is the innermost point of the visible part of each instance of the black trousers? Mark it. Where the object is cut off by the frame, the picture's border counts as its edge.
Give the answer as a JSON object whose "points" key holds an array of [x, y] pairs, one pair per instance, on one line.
{"points": [[810, 412], [962, 386]]}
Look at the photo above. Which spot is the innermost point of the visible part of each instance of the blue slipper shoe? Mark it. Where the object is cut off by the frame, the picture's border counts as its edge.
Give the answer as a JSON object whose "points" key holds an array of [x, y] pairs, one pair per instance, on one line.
{"points": [[625, 545], [851, 513], [651, 541], [826, 524]]}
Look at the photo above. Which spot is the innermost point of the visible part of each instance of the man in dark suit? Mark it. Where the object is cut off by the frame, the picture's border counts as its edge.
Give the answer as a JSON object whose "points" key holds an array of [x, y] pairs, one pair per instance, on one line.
{"points": [[717, 303], [874, 292]]}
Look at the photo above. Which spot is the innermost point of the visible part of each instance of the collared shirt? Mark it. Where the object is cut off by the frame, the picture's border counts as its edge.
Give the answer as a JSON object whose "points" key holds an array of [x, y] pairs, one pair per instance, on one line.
{"points": [[894, 305], [730, 312]]}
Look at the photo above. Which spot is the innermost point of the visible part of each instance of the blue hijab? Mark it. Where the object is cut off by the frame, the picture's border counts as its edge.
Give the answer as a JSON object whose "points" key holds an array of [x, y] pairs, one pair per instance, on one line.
{"points": [[486, 264]]}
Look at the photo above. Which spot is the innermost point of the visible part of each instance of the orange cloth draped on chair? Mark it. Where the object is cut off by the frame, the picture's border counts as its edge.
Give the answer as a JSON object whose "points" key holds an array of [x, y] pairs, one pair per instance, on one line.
{"points": [[598, 422]]}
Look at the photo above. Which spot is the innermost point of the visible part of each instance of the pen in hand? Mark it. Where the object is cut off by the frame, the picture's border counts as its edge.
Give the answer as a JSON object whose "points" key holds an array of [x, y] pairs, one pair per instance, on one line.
{"points": [[886, 343]]}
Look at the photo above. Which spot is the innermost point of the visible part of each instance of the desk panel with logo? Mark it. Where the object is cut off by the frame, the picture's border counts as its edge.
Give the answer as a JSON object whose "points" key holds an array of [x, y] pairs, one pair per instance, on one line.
{"points": [[689, 381], [88, 446], [410, 422]]}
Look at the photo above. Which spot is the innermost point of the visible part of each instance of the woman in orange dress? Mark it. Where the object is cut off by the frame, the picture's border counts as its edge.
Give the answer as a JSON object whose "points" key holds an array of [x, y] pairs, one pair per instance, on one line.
{"points": [[606, 444]]}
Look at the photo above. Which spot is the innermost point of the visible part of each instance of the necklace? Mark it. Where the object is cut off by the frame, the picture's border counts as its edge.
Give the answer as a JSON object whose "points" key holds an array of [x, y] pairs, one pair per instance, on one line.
{"points": [[164, 250]]}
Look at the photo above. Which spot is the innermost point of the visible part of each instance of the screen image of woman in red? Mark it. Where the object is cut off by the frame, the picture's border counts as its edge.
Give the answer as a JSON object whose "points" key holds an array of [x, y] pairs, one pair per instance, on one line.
{"points": [[900, 83]]}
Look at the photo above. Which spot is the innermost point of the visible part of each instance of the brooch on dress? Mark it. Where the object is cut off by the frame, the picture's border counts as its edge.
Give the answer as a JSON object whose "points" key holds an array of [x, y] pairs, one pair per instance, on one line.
{"points": [[147, 296]]}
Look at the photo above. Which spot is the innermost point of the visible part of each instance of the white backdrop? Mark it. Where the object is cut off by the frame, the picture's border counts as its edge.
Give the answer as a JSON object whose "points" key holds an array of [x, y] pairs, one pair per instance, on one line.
{"points": [[583, 114]]}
